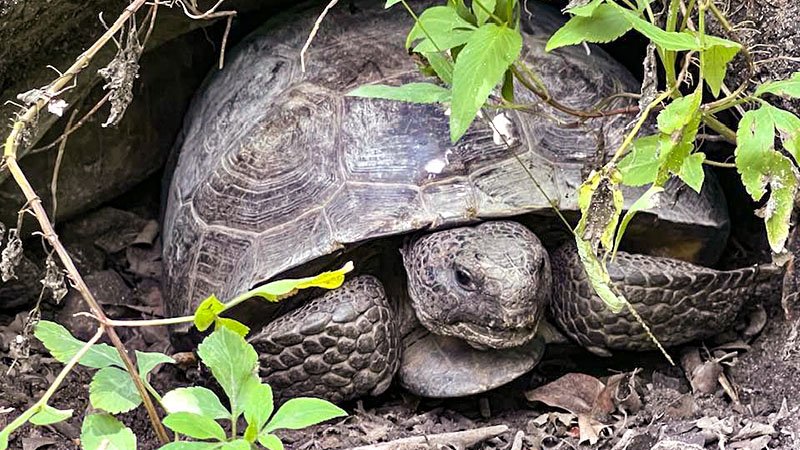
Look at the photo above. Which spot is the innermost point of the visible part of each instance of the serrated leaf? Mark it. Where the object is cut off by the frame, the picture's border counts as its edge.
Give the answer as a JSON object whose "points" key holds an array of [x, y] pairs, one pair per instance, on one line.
{"points": [[190, 445], [113, 391], [783, 88], [270, 441], [411, 92], [598, 276], [483, 9], [63, 346], [198, 400], [761, 166], [437, 21], [714, 63], [147, 361], [280, 289], [390, 3], [232, 362], [788, 126], [48, 415], [479, 68], [207, 312], [679, 113], [258, 404], [583, 8], [194, 425], [604, 25], [646, 201], [640, 166], [692, 171], [104, 431], [302, 412], [754, 141]]}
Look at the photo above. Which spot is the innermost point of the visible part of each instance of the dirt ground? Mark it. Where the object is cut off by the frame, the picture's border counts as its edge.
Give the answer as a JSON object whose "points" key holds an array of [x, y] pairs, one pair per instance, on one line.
{"points": [[654, 409]]}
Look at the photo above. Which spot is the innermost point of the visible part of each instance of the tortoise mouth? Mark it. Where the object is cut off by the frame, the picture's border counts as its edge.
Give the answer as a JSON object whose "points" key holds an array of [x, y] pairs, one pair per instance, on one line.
{"points": [[492, 337]]}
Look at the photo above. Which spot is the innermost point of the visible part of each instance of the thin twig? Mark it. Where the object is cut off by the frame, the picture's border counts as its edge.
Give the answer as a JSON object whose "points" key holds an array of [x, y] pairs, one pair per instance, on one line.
{"points": [[313, 33], [458, 439], [59, 157], [69, 131]]}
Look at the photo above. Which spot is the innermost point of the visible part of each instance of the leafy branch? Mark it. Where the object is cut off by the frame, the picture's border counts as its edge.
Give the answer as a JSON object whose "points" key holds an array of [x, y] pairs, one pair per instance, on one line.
{"points": [[474, 53]]}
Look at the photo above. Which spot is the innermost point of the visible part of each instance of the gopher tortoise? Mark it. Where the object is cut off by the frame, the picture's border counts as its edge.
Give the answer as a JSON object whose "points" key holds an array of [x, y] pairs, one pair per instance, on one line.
{"points": [[279, 172]]}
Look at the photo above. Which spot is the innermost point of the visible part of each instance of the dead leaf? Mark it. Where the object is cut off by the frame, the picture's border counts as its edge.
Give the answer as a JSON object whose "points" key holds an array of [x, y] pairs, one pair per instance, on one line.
{"points": [[574, 392], [759, 443], [36, 442], [753, 429]]}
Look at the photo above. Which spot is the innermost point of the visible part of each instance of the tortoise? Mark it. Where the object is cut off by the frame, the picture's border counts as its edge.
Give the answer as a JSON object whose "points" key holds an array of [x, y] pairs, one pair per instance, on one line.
{"points": [[279, 171]]}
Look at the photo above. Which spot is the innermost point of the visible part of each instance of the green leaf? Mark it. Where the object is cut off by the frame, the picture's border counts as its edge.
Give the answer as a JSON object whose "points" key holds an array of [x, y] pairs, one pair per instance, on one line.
{"points": [[198, 400], [640, 166], [691, 171], [207, 312], [586, 10], [679, 113], [190, 445], [482, 9], [258, 404], [667, 40], [441, 65], [48, 415], [754, 141], [232, 362], [411, 92], [714, 63], [281, 289], [507, 91], [104, 431], [647, 201], [302, 412], [598, 276], [233, 325], [450, 40], [604, 25], [760, 165], [63, 346], [113, 391], [438, 22], [788, 125], [270, 441], [390, 3], [147, 361], [194, 425], [783, 88], [479, 68], [239, 444]]}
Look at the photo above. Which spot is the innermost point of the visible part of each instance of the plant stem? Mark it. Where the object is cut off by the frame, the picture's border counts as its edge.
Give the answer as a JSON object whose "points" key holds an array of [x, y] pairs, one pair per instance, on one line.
{"points": [[42, 402], [719, 127], [49, 233]]}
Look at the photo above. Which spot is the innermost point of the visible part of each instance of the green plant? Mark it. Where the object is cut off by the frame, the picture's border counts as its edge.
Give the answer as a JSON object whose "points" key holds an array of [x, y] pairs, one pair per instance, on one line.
{"points": [[191, 411], [455, 39]]}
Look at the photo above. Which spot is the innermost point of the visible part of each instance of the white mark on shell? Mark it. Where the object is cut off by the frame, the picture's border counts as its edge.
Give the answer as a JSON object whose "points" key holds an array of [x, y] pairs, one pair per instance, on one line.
{"points": [[502, 128], [437, 165]]}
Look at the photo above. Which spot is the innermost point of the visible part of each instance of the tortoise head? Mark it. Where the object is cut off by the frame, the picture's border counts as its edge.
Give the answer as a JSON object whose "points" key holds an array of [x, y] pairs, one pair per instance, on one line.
{"points": [[487, 284]]}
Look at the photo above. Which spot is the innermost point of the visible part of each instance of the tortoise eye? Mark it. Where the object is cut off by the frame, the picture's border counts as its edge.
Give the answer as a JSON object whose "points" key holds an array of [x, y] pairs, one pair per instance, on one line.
{"points": [[464, 279]]}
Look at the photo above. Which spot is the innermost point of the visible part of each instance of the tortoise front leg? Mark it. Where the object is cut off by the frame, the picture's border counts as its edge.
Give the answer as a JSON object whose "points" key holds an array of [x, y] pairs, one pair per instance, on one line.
{"points": [[340, 346]]}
